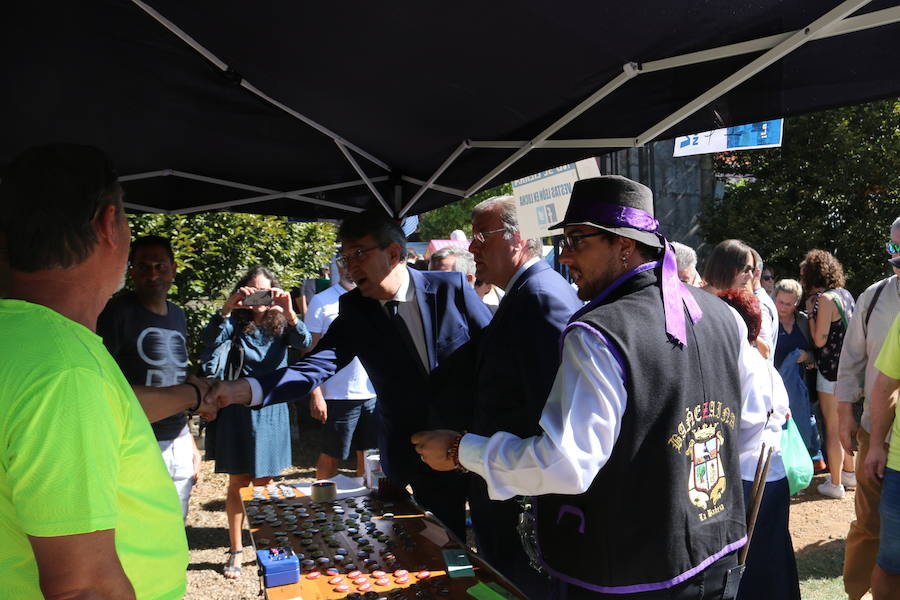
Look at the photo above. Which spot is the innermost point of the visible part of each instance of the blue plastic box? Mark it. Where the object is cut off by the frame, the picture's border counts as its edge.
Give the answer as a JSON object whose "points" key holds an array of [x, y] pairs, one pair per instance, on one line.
{"points": [[280, 566]]}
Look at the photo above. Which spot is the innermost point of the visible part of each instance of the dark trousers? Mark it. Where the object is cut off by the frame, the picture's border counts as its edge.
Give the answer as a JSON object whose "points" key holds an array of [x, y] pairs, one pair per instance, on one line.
{"points": [[771, 569], [444, 494], [497, 538], [709, 584]]}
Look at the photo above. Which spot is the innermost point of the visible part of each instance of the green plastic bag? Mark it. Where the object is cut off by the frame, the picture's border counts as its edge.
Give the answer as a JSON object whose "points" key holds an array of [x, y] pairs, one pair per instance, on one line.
{"points": [[797, 464]]}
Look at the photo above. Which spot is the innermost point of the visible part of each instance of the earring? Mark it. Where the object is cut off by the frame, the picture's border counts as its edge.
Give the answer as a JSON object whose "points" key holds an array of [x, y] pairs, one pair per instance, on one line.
{"points": [[625, 259]]}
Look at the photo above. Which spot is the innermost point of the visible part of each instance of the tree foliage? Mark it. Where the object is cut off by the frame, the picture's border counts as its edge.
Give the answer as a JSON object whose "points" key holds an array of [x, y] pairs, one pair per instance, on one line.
{"points": [[834, 185], [213, 250], [440, 222]]}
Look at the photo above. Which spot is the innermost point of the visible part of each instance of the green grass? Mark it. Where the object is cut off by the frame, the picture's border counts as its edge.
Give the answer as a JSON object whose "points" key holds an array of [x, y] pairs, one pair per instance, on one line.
{"points": [[820, 569]]}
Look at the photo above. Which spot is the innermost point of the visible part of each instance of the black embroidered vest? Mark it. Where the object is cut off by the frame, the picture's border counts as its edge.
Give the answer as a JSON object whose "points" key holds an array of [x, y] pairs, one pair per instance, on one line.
{"points": [[668, 502]]}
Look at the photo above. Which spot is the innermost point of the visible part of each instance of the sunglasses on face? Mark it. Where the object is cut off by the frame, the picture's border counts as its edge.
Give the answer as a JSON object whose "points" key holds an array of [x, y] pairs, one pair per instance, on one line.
{"points": [[892, 248], [768, 277]]}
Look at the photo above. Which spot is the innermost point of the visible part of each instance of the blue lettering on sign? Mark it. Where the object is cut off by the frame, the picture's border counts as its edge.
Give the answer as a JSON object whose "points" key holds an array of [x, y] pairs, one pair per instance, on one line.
{"points": [[755, 134], [541, 215], [543, 175], [562, 190]]}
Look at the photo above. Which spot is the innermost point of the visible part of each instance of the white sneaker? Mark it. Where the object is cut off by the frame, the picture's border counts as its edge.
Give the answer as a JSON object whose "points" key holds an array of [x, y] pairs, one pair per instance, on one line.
{"points": [[831, 490], [848, 479]]}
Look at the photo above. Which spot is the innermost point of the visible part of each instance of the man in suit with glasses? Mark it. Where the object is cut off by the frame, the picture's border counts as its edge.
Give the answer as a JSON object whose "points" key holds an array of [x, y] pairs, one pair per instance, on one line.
{"points": [[415, 333]]}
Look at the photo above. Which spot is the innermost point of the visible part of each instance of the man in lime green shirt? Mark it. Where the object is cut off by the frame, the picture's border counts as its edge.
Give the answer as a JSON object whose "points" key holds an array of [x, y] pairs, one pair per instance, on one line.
{"points": [[884, 463], [87, 509]]}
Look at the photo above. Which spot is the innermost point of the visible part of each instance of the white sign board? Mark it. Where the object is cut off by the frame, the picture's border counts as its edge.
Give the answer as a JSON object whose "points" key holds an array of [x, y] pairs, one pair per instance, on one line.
{"points": [[542, 198], [766, 134]]}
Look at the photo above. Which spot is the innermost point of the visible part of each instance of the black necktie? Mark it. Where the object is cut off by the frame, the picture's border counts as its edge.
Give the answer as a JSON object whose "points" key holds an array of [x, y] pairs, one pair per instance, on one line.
{"points": [[393, 309]]}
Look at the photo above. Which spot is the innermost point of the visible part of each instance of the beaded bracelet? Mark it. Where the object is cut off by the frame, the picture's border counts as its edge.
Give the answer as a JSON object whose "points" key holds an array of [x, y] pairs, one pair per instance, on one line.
{"points": [[453, 453]]}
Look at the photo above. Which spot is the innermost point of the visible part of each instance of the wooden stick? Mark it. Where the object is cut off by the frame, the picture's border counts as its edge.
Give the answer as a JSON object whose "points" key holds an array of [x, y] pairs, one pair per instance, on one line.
{"points": [[755, 501]]}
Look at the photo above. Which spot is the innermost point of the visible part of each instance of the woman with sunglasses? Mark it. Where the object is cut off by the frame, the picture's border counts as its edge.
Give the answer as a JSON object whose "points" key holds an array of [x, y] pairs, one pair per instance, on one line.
{"points": [[829, 307], [729, 266]]}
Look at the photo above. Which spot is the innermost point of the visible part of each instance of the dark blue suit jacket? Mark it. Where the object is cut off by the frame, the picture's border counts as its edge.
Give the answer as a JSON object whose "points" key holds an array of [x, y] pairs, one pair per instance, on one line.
{"points": [[519, 353], [453, 317]]}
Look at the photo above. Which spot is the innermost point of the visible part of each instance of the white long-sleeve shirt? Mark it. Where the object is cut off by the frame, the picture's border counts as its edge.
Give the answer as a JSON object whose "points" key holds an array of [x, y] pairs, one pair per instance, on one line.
{"points": [[581, 422]]}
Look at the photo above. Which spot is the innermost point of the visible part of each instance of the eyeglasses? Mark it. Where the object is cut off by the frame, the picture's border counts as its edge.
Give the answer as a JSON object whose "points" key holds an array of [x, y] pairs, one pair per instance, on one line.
{"points": [[479, 237], [892, 248], [570, 242], [345, 258]]}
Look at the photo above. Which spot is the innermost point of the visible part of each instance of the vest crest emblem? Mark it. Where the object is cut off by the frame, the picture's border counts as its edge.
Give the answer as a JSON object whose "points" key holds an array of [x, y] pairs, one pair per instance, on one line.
{"points": [[706, 482]]}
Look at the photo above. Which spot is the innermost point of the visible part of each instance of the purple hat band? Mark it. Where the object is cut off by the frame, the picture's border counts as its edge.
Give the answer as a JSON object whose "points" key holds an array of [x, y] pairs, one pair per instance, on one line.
{"points": [[619, 216], [674, 294]]}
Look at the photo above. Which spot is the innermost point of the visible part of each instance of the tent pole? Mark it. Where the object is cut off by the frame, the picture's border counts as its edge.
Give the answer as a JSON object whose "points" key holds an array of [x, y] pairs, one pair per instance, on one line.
{"points": [[254, 188], [146, 175], [629, 70], [187, 39], [365, 177], [584, 143], [464, 145], [776, 53], [255, 199], [848, 25], [441, 188], [149, 209]]}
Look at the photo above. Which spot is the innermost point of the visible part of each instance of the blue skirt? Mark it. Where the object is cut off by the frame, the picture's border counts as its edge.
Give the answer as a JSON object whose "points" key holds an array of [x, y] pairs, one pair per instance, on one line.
{"points": [[257, 442]]}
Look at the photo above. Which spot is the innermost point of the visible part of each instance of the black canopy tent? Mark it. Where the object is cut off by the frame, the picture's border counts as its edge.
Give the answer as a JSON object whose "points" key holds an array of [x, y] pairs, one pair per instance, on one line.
{"points": [[313, 110]]}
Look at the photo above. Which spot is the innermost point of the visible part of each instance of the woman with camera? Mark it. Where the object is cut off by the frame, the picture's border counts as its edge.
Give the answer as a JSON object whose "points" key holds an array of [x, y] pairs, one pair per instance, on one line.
{"points": [[250, 336]]}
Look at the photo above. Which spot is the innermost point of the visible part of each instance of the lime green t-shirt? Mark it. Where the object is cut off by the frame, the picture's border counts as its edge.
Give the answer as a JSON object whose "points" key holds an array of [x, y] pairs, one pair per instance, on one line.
{"points": [[888, 362], [77, 455]]}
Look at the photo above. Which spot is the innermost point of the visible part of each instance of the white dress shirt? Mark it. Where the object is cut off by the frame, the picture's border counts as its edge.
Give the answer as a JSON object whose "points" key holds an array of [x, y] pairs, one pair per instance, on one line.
{"points": [[581, 422], [408, 309], [512, 280]]}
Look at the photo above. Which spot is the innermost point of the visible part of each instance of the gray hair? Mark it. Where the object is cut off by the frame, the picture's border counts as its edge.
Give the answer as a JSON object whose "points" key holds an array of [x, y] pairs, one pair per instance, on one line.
{"points": [[789, 286], [685, 256], [510, 221], [464, 263], [895, 225]]}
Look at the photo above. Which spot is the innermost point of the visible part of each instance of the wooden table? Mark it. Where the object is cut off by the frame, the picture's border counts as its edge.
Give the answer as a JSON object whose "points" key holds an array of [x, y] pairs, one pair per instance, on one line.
{"points": [[376, 535]]}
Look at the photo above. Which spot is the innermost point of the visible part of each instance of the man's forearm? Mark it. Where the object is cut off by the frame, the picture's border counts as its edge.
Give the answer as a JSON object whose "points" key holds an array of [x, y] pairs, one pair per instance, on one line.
{"points": [[159, 403]]}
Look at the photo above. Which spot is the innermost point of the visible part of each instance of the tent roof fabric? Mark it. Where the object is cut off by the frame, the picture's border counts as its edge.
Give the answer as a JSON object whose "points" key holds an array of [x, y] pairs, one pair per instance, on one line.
{"points": [[289, 107]]}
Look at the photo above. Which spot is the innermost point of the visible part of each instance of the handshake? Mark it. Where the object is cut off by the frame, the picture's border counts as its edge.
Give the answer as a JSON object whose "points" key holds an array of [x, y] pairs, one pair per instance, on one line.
{"points": [[203, 397]]}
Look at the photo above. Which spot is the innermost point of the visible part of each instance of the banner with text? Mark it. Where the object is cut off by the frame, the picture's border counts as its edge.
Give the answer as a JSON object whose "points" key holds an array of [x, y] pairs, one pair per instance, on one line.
{"points": [[766, 134], [542, 198]]}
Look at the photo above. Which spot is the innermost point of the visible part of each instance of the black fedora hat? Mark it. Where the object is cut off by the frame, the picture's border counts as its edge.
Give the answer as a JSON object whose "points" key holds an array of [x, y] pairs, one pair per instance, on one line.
{"points": [[593, 197]]}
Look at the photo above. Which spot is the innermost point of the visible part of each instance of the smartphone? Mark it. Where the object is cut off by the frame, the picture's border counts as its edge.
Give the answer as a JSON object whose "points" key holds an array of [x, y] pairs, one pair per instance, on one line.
{"points": [[258, 298]]}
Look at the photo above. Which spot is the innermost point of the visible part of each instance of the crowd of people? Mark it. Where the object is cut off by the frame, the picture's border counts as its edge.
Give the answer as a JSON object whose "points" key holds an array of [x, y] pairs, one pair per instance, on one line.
{"points": [[604, 432]]}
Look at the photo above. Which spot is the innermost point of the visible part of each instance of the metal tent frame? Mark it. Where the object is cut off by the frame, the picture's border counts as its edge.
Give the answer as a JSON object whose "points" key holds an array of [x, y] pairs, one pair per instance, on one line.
{"points": [[835, 22]]}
